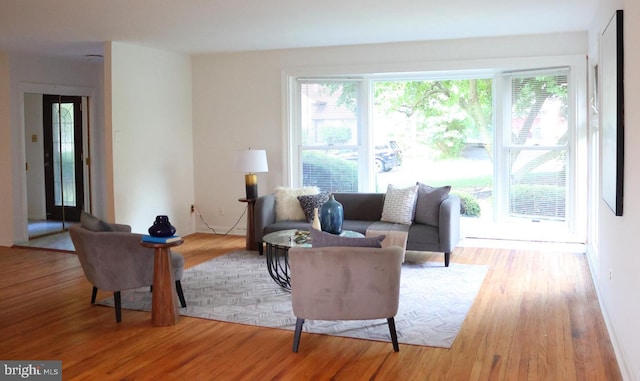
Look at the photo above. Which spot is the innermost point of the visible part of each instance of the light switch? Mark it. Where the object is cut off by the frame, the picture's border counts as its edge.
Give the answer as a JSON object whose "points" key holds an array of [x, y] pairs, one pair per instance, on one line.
{"points": [[34, 138]]}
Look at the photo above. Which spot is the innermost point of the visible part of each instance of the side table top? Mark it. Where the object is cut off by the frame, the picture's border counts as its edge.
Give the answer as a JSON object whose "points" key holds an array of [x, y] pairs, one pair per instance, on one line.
{"points": [[159, 245]]}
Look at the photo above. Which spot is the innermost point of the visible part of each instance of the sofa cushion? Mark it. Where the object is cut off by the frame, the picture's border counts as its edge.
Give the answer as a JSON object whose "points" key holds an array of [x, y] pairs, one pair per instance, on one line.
{"points": [[287, 205], [310, 202], [324, 239], [93, 223], [399, 204], [428, 203], [361, 206]]}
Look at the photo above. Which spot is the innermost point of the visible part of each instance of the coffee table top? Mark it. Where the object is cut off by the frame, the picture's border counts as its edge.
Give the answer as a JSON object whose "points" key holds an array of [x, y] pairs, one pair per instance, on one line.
{"points": [[287, 238]]}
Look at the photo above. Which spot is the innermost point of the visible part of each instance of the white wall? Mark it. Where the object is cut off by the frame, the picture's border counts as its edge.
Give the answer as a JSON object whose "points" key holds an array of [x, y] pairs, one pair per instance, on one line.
{"points": [[618, 245], [149, 96], [34, 152], [238, 101], [6, 187], [67, 76]]}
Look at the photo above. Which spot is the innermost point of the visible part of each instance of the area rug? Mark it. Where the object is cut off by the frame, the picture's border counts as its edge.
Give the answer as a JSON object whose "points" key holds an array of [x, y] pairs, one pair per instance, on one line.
{"points": [[236, 288]]}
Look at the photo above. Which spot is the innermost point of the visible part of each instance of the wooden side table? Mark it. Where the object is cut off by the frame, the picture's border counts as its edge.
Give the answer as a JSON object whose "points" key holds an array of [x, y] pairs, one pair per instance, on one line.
{"points": [[251, 239], [164, 302]]}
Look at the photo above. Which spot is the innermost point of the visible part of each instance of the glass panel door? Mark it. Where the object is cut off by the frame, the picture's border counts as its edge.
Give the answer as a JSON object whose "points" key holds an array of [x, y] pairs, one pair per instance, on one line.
{"points": [[63, 157]]}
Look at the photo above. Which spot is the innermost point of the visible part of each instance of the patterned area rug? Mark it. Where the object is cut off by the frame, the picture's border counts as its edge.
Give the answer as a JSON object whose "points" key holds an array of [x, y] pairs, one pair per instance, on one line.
{"points": [[236, 288]]}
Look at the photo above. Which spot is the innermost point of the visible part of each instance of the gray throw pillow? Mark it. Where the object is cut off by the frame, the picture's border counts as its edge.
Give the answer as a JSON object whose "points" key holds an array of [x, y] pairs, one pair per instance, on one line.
{"points": [[324, 239], [93, 223], [428, 203], [308, 203]]}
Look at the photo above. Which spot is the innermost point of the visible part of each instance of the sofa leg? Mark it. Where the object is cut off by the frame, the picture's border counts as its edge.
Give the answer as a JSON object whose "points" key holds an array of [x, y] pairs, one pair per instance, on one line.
{"points": [[446, 259], [260, 248]]}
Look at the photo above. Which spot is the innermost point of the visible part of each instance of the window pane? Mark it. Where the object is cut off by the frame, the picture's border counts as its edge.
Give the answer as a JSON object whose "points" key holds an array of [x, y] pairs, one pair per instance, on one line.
{"points": [[537, 186], [330, 170], [329, 114], [329, 135], [539, 110], [442, 134], [537, 177], [64, 179]]}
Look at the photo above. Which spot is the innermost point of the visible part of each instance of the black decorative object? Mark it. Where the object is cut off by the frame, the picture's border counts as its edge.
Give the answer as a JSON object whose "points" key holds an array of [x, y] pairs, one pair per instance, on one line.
{"points": [[331, 216], [612, 113], [162, 227]]}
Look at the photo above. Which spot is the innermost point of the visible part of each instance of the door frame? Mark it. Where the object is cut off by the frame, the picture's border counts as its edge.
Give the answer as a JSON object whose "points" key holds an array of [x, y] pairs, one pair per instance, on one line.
{"points": [[53, 211], [21, 234]]}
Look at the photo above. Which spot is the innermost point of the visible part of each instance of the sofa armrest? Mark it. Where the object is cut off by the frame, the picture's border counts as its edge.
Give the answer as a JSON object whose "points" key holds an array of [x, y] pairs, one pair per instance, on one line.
{"points": [[264, 214], [449, 223], [121, 228]]}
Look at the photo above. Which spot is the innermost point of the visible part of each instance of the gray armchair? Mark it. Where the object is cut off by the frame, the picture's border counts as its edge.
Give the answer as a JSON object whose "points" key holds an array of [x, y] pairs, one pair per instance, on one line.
{"points": [[345, 283], [113, 260]]}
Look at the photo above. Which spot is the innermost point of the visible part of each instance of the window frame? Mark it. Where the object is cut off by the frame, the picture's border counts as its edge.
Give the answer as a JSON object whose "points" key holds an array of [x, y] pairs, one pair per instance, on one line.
{"points": [[578, 153]]}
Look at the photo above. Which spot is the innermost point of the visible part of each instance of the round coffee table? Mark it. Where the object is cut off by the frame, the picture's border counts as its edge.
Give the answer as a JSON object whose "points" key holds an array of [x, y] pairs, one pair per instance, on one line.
{"points": [[277, 250]]}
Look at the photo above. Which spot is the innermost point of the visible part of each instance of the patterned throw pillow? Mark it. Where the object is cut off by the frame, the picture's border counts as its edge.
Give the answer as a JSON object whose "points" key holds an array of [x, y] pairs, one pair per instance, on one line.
{"points": [[324, 239], [287, 204], [428, 203], [308, 203], [399, 204]]}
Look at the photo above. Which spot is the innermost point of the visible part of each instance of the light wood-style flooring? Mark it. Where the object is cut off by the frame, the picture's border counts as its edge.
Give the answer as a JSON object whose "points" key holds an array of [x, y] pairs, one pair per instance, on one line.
{"points": [[536, 318]]}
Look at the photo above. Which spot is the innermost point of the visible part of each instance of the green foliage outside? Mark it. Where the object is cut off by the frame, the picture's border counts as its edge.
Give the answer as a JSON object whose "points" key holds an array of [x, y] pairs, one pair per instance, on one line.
{"points": [[447, 114], [329, 173], [469, 206], [449, 138], [457, 110], [335, 134], [538, 200]]}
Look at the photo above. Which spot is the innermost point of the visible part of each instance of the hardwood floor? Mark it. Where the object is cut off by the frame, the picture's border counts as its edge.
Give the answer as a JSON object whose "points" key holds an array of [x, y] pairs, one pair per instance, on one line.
{"points": [[536, 318]]}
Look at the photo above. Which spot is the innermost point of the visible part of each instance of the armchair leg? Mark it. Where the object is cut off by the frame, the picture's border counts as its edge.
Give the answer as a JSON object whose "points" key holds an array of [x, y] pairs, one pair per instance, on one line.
{"points": [[296, 335], [93, 295], [118, 305], [183, 302], [446, 259], [394, 335], [260, 248]]}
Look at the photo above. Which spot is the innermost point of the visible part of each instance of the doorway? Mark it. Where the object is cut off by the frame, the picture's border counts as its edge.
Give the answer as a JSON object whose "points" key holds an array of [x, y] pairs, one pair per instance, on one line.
{"points": [[62, 138], [56, 137]]}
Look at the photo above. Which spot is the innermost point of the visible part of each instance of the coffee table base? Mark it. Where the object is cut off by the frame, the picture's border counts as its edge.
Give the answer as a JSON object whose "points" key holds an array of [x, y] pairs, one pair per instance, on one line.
{"points": [[278, 264]]}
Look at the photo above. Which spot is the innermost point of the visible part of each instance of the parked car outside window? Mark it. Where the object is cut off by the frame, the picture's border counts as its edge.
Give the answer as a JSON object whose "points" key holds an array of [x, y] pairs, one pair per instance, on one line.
{"points": [[387, 156]]}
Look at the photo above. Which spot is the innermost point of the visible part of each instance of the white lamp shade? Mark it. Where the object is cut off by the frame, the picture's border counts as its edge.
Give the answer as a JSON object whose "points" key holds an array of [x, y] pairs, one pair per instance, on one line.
{"points": [[251, 161]]}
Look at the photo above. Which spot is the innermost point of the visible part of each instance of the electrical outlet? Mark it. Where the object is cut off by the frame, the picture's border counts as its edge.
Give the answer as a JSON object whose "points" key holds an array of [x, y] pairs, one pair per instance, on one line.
{"points": [[193, 208], [220, 212]]}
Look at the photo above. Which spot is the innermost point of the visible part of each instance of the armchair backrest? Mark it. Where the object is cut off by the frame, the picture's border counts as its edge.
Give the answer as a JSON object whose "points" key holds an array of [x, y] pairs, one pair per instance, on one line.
{"points": [[345, 283], [113, 261]]}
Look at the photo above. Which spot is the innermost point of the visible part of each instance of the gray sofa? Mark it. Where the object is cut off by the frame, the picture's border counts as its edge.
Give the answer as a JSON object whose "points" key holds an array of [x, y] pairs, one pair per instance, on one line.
{"points": [[363, 209]]}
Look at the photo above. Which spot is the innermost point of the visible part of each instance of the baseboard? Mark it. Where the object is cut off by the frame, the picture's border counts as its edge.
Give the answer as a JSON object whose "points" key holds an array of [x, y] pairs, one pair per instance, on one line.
{"points": [[594, 267]]}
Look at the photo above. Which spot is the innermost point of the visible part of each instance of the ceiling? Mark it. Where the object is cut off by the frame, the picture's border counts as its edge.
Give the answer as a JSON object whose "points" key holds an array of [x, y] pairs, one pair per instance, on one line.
{"points": [[78, 27]]}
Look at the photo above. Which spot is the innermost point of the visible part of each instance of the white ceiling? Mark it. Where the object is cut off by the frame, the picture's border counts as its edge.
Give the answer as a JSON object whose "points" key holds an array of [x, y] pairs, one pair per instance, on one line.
{"points": [[78, 27]]}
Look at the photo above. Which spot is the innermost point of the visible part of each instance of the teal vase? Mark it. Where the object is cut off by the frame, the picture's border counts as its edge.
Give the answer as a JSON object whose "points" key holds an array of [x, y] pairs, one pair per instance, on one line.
{"points": [[331, 216]]}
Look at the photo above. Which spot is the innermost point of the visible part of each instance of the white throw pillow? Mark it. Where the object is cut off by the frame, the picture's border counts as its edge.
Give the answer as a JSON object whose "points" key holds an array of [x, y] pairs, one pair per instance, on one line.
{"points": [[399, 204], [287, 205]]}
